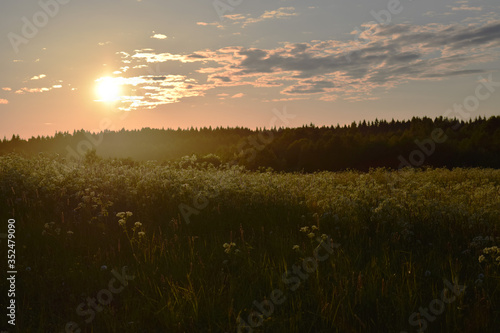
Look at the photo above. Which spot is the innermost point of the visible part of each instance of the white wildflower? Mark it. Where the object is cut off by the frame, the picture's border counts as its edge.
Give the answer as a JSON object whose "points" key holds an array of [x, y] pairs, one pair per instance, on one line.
{"points": [[304, 229]]}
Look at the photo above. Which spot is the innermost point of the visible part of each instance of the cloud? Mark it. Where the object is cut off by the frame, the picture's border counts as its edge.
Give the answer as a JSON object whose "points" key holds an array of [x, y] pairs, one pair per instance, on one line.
{"points": [[7, 89], [151, 57], [310, 87], [245, 20], [467, 8], [289, 99], [215, 24], [280, 13], [159, 36], [238, 95], [38, 77], [24, 90], [381, 58], [149, 91], [3, 101]]}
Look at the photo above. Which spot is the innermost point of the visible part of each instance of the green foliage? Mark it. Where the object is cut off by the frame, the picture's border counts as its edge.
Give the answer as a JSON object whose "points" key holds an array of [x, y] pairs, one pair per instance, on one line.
{"points": [[395, 237], [473, 143], [91, 157]]}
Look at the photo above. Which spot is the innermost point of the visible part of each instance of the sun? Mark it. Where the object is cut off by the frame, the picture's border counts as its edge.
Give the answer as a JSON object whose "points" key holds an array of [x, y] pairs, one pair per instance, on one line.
{"points": [[108, 89]]}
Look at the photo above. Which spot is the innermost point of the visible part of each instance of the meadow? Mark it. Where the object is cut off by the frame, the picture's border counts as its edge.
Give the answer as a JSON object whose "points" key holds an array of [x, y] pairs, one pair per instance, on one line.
{"points": [[123, 246]]}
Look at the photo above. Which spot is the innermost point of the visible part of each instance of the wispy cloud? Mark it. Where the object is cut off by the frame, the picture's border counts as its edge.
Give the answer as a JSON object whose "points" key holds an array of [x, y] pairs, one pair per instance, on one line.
{"points": [[215, 24], [280, 13], [25, 90], [245, 20], [467, 8], [386, 57], [32, 90]]}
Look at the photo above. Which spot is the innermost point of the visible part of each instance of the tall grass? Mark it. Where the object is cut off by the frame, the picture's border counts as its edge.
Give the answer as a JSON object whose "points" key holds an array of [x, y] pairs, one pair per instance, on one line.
{"points": [[395, 236]]}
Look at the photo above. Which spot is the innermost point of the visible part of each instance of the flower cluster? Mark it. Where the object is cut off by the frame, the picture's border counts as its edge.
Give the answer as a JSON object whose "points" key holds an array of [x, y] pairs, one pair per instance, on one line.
{"points": [[490, 255], [51, 229], [137, 229], [228, 247], [310, 231], [480, 242], [123, 218]]}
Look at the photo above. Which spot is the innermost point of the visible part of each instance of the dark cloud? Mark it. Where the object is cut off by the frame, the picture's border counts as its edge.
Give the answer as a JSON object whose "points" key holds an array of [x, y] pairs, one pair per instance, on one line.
{"points": [[386, 50], [197, 56], [454, 37], [455, 73], [222, 78], [309, 87], [387, 30]]}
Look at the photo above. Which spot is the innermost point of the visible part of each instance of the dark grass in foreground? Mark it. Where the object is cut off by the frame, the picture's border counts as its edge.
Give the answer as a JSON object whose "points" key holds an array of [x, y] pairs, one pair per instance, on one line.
{"points": [[390, 243]]}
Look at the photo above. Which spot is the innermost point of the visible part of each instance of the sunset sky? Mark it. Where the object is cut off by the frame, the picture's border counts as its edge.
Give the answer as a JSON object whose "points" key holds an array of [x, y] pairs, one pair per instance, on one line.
{"points": [[73, 64]]}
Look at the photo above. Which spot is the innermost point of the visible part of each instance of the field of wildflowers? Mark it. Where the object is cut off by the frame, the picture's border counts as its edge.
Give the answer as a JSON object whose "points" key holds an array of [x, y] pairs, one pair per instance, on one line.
{"points": [[269, 252]]}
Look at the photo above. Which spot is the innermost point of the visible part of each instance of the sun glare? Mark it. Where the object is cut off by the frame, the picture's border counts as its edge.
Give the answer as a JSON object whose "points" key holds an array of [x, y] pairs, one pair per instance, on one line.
{"points": [[108, 89]]}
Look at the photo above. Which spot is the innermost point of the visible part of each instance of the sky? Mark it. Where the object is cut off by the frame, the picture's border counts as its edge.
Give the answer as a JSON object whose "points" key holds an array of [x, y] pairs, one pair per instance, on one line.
{"points": [[96, 65]]}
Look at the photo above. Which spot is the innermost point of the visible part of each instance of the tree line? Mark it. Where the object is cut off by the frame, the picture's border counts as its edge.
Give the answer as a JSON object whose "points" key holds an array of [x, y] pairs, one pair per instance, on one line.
{"points": [[439, 142]]}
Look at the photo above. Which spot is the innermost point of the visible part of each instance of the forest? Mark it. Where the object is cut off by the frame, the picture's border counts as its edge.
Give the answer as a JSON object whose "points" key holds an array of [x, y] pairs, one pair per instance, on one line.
{"points": [[439, 142]]}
